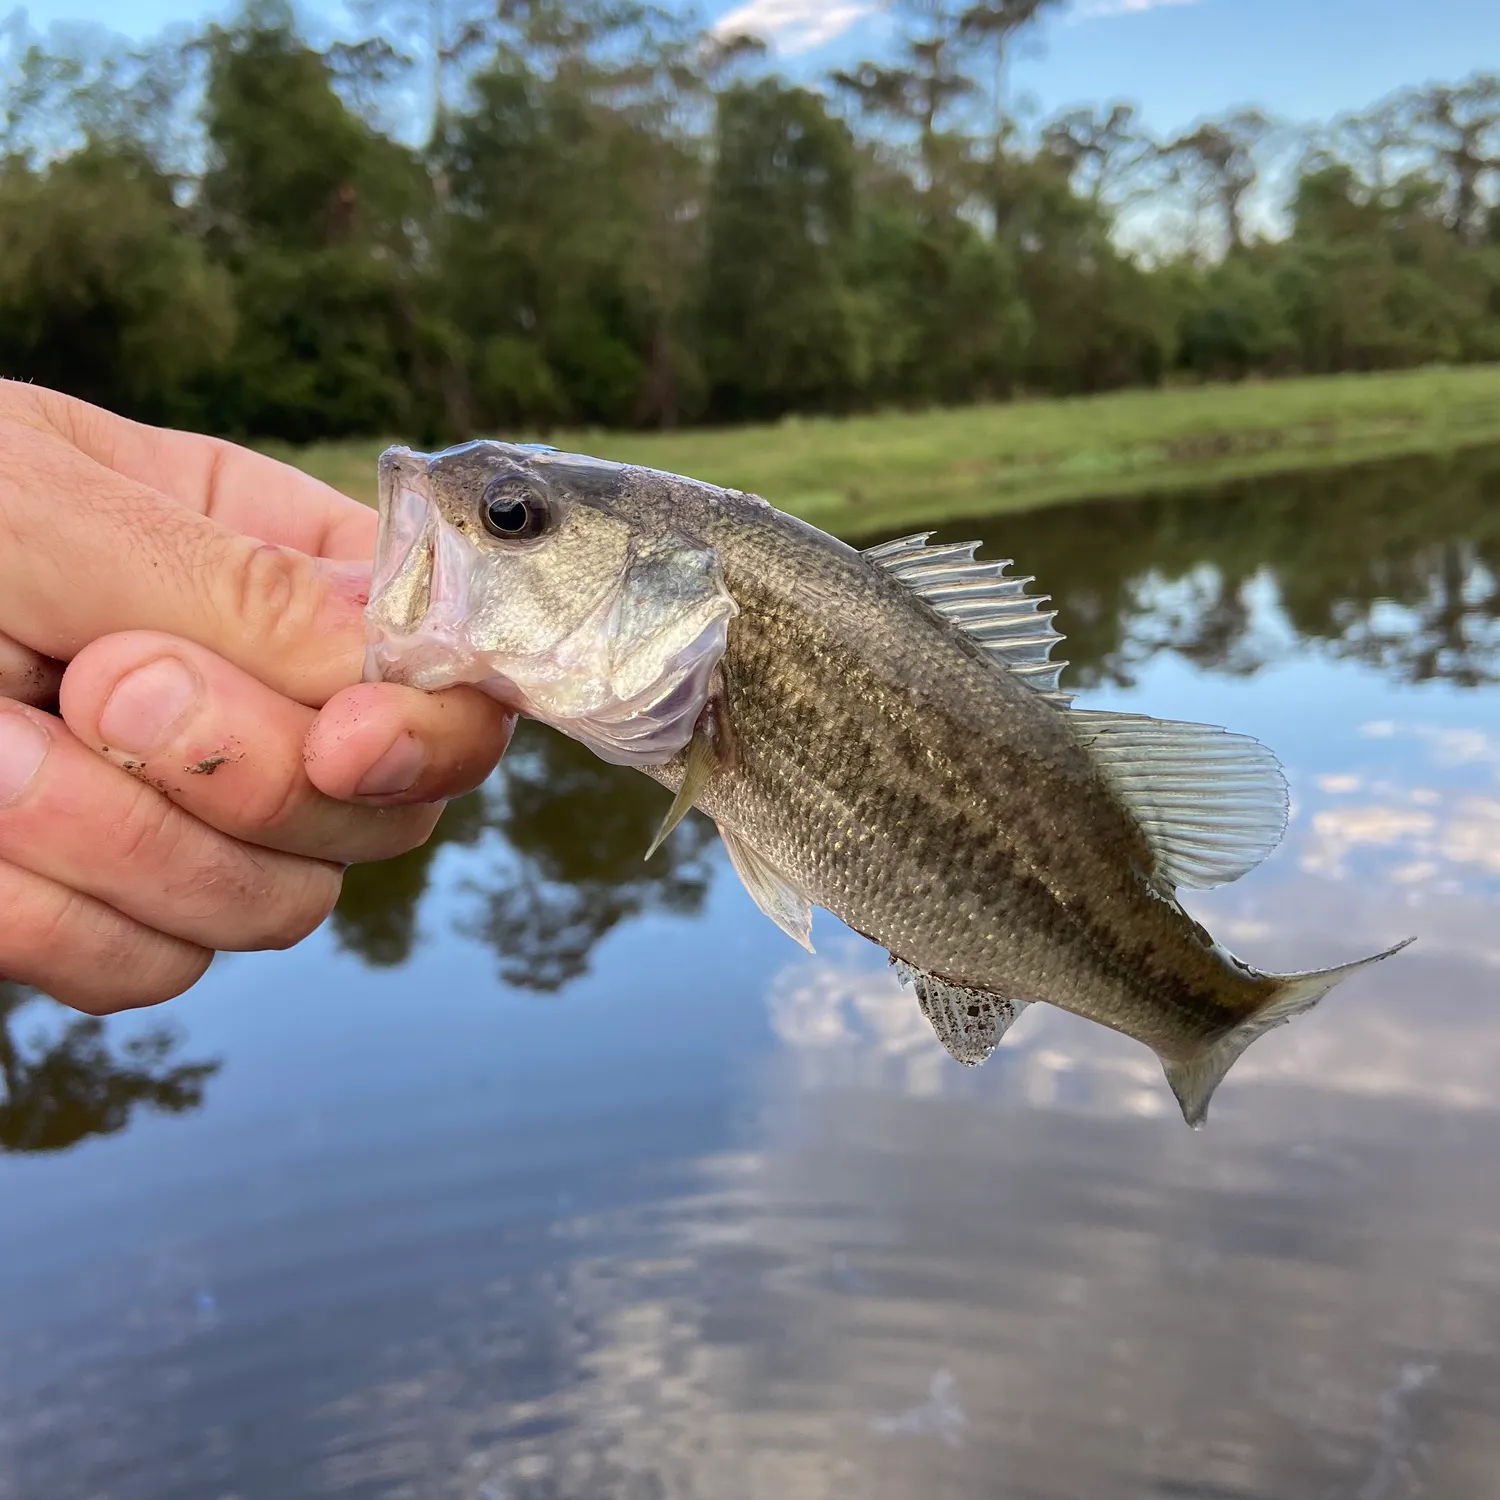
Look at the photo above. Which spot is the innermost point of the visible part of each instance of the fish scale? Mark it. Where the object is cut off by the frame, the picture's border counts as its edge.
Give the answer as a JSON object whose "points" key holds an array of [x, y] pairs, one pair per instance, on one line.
{"points": [[992, 886]]}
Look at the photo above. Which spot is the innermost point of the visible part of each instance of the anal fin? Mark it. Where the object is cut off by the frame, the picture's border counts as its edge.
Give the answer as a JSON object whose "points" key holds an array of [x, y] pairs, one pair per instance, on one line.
{"points": [[786, 906], [969, 1023]]}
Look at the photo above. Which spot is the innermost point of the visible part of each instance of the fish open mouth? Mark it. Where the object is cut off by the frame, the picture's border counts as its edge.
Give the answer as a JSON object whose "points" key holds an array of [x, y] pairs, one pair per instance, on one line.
{"points": [[419, 587]]}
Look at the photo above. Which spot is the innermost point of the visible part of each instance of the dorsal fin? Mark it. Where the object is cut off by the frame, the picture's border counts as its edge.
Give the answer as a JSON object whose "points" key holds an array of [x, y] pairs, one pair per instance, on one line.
{"points": [[1212, 804], [989, 606]]}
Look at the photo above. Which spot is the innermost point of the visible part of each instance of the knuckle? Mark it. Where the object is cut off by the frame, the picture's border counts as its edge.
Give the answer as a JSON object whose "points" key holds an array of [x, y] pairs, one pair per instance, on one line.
{"points": [[267, 590], [302, 905], [63, 919], [149, 830], [269, 801]]}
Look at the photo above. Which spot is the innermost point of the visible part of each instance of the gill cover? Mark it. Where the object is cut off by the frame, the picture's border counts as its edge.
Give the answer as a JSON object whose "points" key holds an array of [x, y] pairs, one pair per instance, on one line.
{"points": [[602, 628]]}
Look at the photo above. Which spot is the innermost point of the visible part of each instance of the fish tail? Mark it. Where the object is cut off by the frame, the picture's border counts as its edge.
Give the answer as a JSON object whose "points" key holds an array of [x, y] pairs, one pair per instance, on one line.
{"points": [[1193, 1081]]}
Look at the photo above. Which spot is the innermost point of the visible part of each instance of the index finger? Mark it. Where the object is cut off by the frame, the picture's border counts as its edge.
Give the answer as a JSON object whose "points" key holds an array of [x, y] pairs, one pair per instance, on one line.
{"points": [[247, 491], [88, 552]]}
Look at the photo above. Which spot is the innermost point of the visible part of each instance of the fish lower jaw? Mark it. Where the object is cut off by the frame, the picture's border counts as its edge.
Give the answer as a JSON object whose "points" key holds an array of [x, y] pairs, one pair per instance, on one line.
{"points": [[426, 664]]}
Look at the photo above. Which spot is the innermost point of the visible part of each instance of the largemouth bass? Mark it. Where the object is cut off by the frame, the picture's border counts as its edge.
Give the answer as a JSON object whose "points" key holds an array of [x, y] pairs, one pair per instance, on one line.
{"points": [[881, 733]]}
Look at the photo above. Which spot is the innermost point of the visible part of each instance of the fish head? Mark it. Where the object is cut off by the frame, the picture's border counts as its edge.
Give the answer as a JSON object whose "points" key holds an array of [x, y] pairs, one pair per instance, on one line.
{"points": [[562, 585]]}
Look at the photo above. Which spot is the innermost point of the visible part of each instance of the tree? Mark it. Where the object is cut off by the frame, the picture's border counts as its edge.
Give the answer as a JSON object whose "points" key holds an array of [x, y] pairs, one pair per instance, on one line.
{"points": [[1460, 127], [102, 293], [1216, 163], [778, 316], [311, 212], [916, 92]]}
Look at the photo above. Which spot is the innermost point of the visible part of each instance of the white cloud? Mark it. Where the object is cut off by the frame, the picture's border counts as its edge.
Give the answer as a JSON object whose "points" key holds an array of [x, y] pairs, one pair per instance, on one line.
{"points": [[1473, 836], [793, 26], [1092, 10], [1339, 784]]}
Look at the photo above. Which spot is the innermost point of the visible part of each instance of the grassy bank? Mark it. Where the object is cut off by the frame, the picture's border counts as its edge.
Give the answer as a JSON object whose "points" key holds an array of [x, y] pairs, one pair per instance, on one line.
{"points": [[864, 473]]}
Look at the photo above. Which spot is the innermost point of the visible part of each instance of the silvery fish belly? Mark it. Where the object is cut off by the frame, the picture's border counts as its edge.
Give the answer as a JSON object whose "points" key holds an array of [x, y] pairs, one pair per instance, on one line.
{"points": [[881, 733]]}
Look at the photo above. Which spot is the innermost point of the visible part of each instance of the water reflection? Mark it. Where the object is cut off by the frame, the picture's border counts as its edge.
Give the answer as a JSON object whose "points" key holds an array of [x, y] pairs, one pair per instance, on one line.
{"points": [[376, 916], [561, 839], [733, 1224], [1395, 564], [572, 866], [69, 1083]]}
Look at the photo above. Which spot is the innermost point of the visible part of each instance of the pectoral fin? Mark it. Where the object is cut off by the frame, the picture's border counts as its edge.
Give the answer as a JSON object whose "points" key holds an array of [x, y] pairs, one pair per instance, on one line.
{"points": [[969, 1023], [713, 748], [702, 761], [786, 906]]}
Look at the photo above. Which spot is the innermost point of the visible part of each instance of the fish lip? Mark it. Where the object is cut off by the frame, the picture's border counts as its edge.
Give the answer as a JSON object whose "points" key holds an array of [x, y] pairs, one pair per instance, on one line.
{"points": [[400, 462], [433, 652], [405, 517]]}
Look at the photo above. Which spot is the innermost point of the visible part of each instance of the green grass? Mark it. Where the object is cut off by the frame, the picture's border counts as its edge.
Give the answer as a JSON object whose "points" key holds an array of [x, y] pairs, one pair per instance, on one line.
{"points": [[860, 474]]}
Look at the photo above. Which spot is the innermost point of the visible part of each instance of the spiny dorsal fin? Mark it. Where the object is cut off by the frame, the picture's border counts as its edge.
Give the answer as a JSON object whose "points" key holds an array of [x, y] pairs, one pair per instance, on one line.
{"points": [[969, 1023], [1212, 804], [786, 906], [987, 605]]}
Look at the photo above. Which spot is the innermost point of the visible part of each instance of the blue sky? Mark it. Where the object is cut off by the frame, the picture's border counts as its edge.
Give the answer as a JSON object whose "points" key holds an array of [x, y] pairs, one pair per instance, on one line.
{"points": [[1176, 59]]}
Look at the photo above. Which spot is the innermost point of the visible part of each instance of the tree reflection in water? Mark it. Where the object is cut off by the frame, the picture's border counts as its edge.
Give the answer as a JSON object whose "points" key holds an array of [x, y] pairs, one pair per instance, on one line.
{"points": [[1395, 564], [573, 867], [377, 912], [62, 1088], [563, 864]]}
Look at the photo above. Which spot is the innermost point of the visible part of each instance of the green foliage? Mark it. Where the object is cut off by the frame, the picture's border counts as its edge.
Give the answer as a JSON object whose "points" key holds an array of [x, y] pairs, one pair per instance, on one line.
{"points": [[102, 292], [309, 209], [779, 321], [614, 225]]}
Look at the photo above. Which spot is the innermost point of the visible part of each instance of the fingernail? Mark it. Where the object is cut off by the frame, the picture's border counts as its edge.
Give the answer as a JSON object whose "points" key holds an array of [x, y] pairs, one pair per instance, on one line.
{"points": [[145, 705], [23, 748], [396, 771]]}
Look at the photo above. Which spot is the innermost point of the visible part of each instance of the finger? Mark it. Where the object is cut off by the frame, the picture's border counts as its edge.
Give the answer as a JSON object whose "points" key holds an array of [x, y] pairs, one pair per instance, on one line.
{"points": [[84, 953], [367, 740], [74, 819], [106, 552], [228, 750], [27, 676], [247, 491]]}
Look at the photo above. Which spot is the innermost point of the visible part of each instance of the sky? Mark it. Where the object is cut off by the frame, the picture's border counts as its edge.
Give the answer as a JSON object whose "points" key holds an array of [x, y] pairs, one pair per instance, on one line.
{"points": [[1177, 60]]}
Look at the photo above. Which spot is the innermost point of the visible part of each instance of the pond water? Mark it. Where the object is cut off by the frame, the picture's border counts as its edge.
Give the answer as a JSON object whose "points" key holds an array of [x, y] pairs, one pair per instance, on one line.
{"points": [[541, 1172]]}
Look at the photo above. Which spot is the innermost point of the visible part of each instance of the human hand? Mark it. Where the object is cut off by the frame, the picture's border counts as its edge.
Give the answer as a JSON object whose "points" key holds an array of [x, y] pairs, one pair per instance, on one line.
{"points": [[195, 612]]}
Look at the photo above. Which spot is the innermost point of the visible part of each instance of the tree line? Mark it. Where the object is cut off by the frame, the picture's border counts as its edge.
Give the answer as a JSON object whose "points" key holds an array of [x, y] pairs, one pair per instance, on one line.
{"points": [[614, 217]]}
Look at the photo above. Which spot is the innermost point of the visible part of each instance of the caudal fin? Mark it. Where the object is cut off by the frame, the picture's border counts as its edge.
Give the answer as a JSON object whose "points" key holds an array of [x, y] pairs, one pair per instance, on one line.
{"points": [[1194, 1081]]}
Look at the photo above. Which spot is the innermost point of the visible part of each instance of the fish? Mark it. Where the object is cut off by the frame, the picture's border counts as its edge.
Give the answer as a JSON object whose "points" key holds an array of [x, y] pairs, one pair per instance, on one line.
{"points": [[880, 732]]}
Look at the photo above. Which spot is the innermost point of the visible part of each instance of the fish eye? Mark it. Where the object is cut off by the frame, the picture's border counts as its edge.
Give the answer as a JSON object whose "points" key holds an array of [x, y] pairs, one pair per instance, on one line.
{"points": [[514, 508]]}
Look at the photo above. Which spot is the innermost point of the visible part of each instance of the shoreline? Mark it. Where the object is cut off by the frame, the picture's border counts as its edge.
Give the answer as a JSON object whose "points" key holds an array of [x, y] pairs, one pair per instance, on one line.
{"points": [[858, 474]]}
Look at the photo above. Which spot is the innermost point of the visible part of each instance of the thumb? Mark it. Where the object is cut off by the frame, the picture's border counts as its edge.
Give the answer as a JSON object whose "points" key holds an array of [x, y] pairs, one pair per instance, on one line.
{"points": [[87, 552]]}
